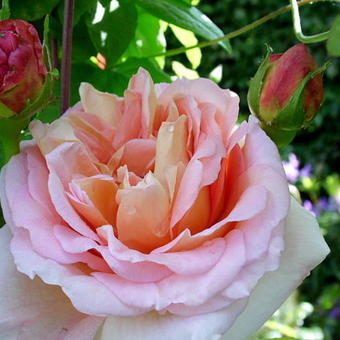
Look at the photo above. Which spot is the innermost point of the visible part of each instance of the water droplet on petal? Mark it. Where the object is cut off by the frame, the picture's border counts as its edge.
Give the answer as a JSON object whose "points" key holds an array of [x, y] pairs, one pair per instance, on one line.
{"points": [[162, 229], [171, 128], [131, 211]]}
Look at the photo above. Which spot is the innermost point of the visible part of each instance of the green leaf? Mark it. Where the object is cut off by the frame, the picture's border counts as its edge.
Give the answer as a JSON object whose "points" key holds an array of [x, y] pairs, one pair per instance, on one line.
{"points": [[105, 3], [83, 47], [113, 34], [183, 15], [183, 72], [31, 10], [216, 74], [149, 38], [50, 113], [187, 38], [10, 129], [5, 11], [103, 80], [333, 42]]}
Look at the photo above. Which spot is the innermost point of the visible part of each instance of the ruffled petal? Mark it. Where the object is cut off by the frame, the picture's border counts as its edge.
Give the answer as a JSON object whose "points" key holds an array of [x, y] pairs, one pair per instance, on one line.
{"points": [[30, 309], [75, 280], [302, 232], [154, 326]]}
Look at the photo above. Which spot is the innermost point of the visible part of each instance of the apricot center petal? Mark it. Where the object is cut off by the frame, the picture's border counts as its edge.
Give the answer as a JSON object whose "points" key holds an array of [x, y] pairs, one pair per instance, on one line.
{"points": [[143, 215]]}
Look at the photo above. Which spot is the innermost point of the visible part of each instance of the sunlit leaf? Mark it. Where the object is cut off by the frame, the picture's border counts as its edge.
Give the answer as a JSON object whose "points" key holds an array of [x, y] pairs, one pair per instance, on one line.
{"points": [[216, 74], [183, 15], [182, 71], [187, 38]]}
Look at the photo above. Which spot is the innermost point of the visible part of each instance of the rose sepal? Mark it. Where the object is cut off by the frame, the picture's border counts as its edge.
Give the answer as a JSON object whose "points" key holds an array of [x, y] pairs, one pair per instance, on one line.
{"points": [[46, 93], [5, 112], [256, 84]]}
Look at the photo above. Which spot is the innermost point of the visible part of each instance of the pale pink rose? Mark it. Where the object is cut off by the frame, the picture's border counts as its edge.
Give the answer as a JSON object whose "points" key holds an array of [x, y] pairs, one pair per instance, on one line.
{"points": [[149, 217]]}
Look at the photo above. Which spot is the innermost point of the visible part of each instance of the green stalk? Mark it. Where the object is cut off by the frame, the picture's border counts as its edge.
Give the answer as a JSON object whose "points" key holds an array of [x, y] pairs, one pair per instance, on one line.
{"points": [[67, 55], [298, 30]]}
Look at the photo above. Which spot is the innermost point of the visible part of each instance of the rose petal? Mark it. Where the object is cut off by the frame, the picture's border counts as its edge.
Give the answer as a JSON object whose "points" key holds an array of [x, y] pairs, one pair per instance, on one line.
{"points": [[302, 232], [75, 283], [30, 309], [179, 262], [94, 133], [104, 105], [48, 137], [205, 91], [130, 155], [142, 85], [153, 326], [30, 214], [171, 146], [141, 226]]}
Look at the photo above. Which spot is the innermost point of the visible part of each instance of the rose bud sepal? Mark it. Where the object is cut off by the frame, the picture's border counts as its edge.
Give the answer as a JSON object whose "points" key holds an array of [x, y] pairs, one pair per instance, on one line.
{"points": [[293, 117], [12, 123], [10, 128], [283, 123]]}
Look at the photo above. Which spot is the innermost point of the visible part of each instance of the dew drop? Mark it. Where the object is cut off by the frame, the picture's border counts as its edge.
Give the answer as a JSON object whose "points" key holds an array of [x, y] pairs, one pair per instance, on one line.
{"points": [[162, 229], [132, 211], [171, 128]]}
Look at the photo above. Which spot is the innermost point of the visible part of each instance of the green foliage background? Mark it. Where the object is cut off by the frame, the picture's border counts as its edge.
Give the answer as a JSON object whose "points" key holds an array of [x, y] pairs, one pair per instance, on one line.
{"points": [[138, 29]]}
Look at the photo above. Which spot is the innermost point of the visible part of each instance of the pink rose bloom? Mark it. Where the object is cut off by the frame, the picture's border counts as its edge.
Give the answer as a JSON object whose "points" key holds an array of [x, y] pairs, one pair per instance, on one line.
{"points": [[149, 217]]}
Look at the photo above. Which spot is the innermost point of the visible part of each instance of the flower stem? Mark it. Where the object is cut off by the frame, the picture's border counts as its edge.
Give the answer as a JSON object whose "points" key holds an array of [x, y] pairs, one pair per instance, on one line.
{"points": [[67, 55], [239, 31], [297, 27]]}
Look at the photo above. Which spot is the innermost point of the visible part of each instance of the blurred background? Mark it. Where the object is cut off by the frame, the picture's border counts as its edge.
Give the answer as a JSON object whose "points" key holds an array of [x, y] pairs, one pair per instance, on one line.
{"points": [[128, 34]]}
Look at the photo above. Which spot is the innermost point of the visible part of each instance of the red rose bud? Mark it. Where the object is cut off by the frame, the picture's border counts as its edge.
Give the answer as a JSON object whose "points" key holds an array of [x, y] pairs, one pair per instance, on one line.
{"points": [[286, 92], [22, 69]]}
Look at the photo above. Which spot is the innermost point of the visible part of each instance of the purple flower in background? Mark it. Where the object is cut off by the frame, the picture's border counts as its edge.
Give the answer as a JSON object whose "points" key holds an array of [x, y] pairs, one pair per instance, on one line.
{"points": [[306, 171], [315, 209], [307, 204], [324, 204], [335, 313], [292, 168]]}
